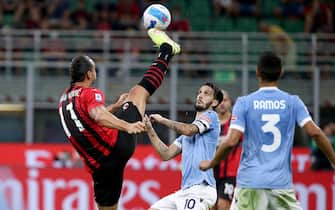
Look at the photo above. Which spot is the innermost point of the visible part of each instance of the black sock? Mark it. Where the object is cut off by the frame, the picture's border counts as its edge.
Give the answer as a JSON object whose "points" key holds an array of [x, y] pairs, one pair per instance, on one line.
{"points": [[154, 76]]}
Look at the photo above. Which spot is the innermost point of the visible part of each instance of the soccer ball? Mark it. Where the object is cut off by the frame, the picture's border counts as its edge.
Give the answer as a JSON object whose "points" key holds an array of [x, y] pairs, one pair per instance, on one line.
{"points": [[156, 16]]}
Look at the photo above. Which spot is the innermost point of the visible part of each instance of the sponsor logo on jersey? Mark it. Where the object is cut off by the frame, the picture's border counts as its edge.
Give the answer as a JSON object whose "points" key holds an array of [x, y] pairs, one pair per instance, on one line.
{"points": [[125, 106], [98, 97], [204, 117]]}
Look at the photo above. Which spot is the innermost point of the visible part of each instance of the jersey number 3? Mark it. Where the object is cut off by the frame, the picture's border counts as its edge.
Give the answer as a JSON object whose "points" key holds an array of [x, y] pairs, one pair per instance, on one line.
{"points": [[270, 126]]}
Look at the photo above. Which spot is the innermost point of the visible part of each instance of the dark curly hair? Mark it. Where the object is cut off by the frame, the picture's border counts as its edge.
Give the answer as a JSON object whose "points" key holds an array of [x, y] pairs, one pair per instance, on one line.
{"points": [[218, 95]]}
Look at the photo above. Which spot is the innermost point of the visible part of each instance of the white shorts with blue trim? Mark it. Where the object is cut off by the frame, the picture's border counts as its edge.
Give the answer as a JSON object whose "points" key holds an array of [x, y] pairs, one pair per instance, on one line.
{"points": [[197, 197]]}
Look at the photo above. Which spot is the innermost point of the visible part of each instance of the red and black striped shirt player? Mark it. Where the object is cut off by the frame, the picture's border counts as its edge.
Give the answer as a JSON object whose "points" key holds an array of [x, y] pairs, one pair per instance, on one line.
{"points": [[92, 141], [229, 167], [226, 172], [106, 140]]}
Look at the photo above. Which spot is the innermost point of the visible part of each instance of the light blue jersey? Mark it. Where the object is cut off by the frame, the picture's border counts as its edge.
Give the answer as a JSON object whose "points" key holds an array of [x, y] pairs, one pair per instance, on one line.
{"points": [[267, 118], [199, 147], [3, 202]]}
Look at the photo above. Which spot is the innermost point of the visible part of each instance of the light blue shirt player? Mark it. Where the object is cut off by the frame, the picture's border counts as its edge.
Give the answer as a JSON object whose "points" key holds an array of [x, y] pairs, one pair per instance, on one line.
{"points": [[199, 147], [267, 118]]}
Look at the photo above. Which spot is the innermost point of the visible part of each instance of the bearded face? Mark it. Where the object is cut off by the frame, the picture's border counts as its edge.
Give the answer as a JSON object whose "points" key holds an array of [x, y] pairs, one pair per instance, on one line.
{"points": [[202, 106], [205, 99]]}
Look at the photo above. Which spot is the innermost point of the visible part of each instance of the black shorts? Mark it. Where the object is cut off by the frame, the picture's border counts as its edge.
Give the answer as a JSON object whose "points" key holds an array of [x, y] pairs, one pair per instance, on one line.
{"points": [[108, 178], [225, 187]]}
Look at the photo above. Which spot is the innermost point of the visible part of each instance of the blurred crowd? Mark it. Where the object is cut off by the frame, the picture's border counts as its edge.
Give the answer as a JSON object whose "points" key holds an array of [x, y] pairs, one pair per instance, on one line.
{"points": [[126, 14], [78, 15], [105, 15], [317, 14]]}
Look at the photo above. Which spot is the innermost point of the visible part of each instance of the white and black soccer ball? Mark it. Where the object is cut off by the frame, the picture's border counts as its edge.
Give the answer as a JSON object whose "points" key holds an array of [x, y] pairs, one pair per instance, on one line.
{"points": [[156, 16]]}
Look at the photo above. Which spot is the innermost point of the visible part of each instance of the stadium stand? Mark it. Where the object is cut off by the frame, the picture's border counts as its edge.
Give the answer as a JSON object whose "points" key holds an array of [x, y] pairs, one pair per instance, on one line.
{"points": [[220, 48]]}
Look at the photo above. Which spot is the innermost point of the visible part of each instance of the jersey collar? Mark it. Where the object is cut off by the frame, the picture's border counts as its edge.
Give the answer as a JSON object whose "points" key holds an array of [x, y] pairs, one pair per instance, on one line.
{"points": [[268, 88]]}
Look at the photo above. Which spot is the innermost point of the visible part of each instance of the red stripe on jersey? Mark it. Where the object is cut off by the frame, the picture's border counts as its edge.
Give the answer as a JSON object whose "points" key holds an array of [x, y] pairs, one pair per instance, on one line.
{"points": [[95, 143], [157, 72], [162, 62], [84, 153], [153, 74], [88, 169], [152, 79], [225, 127], [110, 140]]}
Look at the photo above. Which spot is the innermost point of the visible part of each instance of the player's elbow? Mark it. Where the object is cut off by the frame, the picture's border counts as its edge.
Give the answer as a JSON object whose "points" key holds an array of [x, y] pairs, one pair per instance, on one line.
{"points": [[165, 158], [315, 133], [167, 155], [313, 130], [189, 130]]}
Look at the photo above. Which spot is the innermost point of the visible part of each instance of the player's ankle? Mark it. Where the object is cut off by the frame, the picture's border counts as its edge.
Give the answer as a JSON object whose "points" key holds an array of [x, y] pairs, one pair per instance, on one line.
{"points": [[165, 48], [165, 52]]}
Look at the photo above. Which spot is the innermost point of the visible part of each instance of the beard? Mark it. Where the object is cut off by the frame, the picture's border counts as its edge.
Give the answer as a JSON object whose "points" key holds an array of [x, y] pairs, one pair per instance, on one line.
{"points": [[200, 108]]}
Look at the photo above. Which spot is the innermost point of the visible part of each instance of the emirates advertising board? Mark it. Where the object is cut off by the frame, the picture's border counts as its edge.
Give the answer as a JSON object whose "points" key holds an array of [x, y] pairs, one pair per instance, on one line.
{"points": [[51, 177]]}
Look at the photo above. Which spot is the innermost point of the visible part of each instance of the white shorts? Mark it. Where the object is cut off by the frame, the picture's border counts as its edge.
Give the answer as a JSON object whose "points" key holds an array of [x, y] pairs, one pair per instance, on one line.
{"points": [[197, 197]]}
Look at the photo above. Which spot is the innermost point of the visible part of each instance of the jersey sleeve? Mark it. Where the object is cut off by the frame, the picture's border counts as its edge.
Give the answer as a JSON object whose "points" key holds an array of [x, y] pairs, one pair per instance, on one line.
{"points": [[302, 114], [204, 121], [178, 142], [238, 115], [93, 98]]}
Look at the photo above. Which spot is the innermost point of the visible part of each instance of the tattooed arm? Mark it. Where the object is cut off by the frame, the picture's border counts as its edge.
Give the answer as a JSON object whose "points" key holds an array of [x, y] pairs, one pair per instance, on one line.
{"points": [[181, 128], [102, 116], [164, 151]]}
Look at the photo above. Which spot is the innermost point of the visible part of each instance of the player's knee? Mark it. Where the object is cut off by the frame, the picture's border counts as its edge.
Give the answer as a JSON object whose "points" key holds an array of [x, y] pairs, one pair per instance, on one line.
{"points": [[138, 93]]}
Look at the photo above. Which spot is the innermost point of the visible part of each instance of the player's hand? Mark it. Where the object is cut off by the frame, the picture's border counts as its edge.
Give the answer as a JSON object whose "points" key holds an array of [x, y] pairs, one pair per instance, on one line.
{"points": [[135, 128], [156, 118], [114, 107], [147, 122], [205, 165], [122, 98]]}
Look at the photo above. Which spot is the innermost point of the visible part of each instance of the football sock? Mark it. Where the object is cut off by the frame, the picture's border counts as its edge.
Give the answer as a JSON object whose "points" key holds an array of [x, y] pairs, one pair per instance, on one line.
{"points": [[154, 76]]}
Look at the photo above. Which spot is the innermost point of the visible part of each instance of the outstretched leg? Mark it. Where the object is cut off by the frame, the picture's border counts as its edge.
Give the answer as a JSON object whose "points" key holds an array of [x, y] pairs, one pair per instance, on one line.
{"points": [[154, 76]]}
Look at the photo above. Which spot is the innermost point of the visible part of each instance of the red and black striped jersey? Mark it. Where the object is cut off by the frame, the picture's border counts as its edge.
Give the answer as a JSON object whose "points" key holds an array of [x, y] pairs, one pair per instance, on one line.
{"points": [[229, 166], [92, 141]]}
